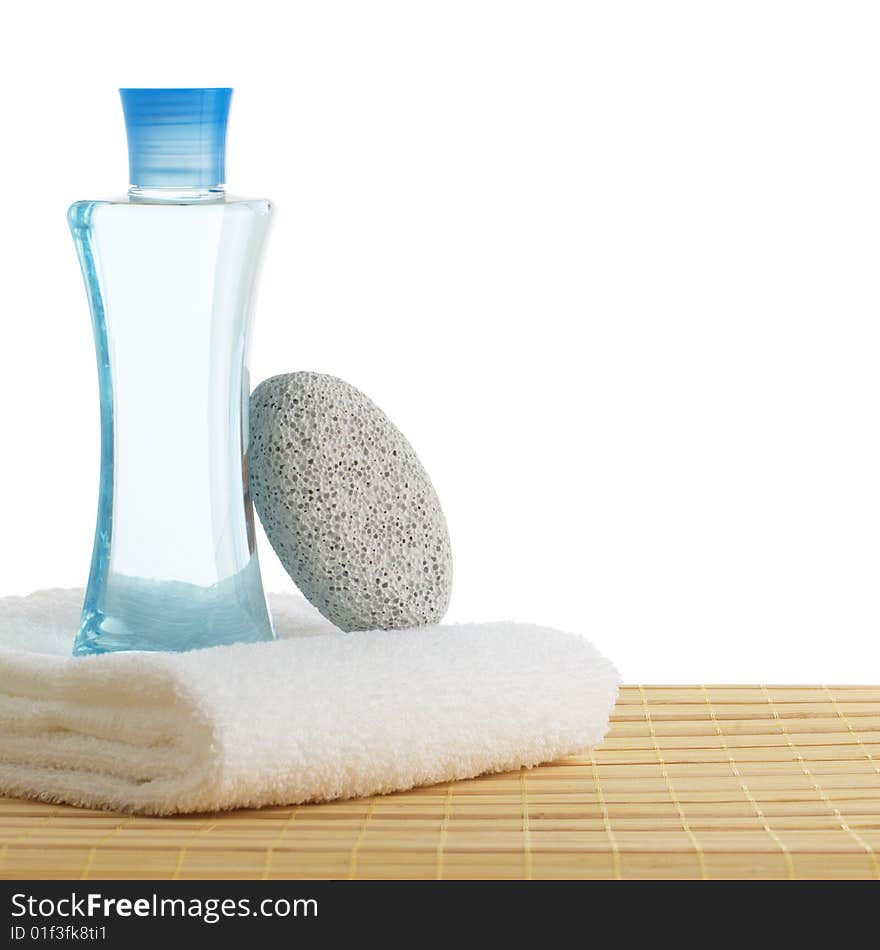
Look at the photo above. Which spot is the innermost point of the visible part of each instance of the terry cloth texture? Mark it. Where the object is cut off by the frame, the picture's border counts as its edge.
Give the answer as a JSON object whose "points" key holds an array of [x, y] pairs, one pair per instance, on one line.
{"points": [[318, 715]]}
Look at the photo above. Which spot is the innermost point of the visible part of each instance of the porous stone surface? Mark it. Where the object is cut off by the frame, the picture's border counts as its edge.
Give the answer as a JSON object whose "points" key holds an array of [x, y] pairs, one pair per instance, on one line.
{"points": [[347, 505]]}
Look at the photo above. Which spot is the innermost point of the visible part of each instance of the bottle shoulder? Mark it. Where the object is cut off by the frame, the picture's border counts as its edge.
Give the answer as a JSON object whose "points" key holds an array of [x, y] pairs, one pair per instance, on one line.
{"points": [[81, 213]]}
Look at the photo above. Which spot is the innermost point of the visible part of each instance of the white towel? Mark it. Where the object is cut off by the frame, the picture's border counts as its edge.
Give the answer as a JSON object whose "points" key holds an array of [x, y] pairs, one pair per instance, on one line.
{"points": [[317, 715]]}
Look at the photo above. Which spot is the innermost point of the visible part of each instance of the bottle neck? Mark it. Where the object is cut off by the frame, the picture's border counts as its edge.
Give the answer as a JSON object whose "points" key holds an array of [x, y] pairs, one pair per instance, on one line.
{"points": [[176, 194]]}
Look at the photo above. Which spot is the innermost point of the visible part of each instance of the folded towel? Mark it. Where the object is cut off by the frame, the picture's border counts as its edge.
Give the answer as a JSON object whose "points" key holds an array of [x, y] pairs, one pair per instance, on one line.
{"points": [[317, 715]]}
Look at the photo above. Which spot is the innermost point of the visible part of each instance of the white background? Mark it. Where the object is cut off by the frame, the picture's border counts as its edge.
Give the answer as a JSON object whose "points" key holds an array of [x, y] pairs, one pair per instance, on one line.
{"points": [[612, 267]]}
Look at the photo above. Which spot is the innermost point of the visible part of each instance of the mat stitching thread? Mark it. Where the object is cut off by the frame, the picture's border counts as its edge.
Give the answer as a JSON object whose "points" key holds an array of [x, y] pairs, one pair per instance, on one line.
{"points": [[90, 858], [270, 851], [820, 791], [606, 820], [786, 854], [178, 865], [701, 859], [444, 827], [26, 834], [527, 833], [852, 731], [356, 847]]}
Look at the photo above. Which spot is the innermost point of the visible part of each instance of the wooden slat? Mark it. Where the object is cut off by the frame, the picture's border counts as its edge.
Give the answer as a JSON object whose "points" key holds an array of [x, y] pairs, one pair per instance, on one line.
{"points": [[711, 781]]}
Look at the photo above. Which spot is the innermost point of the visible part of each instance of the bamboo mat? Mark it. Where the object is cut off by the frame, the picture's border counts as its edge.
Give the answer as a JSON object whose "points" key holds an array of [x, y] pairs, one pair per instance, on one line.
{"points": [[692, 782]]}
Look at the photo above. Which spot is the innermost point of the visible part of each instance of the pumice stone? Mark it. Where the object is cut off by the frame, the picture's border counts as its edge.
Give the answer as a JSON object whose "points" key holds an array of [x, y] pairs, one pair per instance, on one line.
{"points": [[346, 504]]}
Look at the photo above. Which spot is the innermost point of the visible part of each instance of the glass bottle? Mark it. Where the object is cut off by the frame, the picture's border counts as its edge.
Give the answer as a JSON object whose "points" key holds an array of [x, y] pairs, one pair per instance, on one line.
{"points": [[170, 272]]}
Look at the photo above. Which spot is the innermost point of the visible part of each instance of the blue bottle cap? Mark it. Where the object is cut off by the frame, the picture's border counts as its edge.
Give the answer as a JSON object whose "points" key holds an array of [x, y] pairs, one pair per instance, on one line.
{"points": [[176, 137]]}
